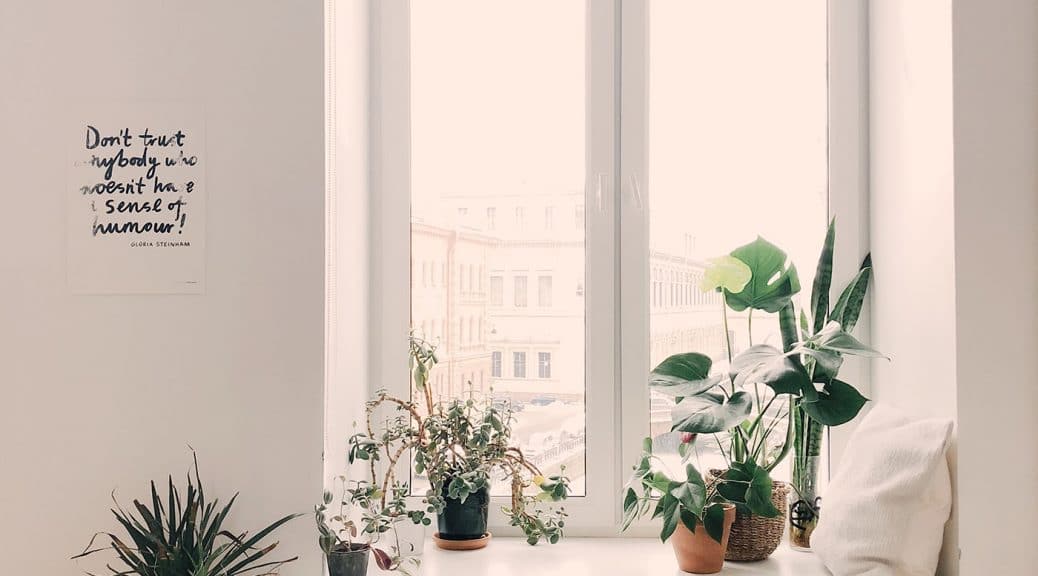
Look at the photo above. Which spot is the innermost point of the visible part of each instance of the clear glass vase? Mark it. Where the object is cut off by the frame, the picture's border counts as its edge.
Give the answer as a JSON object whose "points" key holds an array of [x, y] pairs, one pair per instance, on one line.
{"points": [[804, 501]]}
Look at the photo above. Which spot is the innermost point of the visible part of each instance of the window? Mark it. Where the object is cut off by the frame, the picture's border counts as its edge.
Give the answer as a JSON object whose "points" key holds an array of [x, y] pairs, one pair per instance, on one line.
{"points": [[544, 291], [519, 364], [495, 364], [544, 364], [497, 291], [520, 292], [783, 135], [659, 173]]}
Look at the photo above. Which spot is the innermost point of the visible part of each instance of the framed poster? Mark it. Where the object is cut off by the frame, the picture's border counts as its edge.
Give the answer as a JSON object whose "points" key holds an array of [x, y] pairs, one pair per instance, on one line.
{"points": [[136, 203]]}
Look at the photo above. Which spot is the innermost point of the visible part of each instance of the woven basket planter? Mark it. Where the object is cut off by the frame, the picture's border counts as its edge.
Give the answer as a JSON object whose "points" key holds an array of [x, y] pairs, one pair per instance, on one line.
{"points": [[753, 537]]}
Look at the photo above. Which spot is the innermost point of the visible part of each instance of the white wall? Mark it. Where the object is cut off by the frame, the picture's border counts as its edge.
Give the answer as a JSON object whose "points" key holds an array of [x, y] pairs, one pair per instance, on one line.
{"points": [[954, 140], [996, 263], [103, 392], [912, 213]]}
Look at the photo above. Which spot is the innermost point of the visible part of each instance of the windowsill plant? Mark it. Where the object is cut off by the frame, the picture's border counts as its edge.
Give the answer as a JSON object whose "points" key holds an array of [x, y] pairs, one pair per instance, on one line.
{"points": [[175, 536], [460, 445]]}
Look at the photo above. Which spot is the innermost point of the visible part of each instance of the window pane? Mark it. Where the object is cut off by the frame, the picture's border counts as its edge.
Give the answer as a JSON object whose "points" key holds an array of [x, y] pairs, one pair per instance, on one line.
{"points": [[520, 291], [497, 154], [544, 291], [544, 364], [738, 148]]}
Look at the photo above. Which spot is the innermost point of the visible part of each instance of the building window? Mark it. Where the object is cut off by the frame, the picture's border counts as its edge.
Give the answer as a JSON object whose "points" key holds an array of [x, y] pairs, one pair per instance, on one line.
{"points": [[544, 364], [495, 364], [520, 292], [520, 217], [491, 218], [549, 217], [544, 291], [519, 364], [497, 291]]}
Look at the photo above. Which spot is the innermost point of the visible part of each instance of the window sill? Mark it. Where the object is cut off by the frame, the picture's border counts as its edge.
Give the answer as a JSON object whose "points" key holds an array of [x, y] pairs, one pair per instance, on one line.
{"points": [[597, 557]]}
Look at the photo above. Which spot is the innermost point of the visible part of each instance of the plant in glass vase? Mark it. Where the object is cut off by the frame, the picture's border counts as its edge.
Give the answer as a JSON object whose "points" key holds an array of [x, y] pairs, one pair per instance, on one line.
{"points": [[461, 445]]}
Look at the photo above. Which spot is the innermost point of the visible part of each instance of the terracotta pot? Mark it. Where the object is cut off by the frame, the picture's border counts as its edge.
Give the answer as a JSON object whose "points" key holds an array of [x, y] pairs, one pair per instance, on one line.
{"points": [[697, 552]]}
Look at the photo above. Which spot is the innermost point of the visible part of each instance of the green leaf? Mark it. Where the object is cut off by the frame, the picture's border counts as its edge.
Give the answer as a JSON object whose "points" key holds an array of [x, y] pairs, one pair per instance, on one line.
{"points": [[670, 517], [788, 326], [690, 494], [834, 338], [709, 412], [726, 272], [774, 280], [823, 279], [768, 365], [758, 495], [684, 375], [713, 521], [837, 404], [848, 306], [688, 519]]}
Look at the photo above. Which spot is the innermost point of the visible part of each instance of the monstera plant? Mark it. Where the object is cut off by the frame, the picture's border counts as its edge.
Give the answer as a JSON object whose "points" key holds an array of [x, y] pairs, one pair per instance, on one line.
{"points": [[769, 400]]}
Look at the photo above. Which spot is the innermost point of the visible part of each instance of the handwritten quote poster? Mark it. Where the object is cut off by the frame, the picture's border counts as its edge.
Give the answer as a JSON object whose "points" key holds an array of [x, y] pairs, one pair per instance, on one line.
{"points": [[136, 207]]}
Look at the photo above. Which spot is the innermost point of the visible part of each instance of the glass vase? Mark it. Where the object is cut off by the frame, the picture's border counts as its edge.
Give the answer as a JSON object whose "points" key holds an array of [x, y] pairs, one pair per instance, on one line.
{"points": [[804, 501]]}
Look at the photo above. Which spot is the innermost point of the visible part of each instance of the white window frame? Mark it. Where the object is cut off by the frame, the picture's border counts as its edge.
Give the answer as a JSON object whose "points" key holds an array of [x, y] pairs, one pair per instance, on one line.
{"points": [[617, 258]]}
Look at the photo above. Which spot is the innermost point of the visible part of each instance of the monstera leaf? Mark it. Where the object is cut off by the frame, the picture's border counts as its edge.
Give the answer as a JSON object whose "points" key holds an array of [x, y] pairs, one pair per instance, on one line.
{"points": [[683, 375], [710, 412], [774, 279], [726, 272], [768, 365]]}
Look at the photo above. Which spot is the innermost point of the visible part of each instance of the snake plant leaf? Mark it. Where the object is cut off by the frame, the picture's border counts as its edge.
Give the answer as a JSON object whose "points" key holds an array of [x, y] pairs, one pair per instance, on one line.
{"points": [[710, 412], [727, 273], [834, 338], [848, 306], [838, 403], [774, 280], [713, 521], [684, 375], [823, 279], [788, 326]]}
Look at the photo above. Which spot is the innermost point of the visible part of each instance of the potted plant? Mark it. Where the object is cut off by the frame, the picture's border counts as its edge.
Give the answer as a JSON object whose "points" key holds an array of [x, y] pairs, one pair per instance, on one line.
{"points": [[175, 536], [697, 514], [459, 444], [804, 371], [365, 515], [742, 405]]}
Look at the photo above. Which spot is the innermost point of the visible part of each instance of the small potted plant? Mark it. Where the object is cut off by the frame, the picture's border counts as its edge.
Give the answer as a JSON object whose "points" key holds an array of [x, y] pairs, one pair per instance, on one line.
{"points": [[697, 514], [460, 444], [177, 536], [363, 517], [744, 407]]}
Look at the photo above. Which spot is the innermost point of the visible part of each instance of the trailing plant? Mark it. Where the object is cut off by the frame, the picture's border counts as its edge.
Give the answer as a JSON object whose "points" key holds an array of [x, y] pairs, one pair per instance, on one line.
{"points": [[363, 516], [692, 500], [175, 536], [461, 445]]}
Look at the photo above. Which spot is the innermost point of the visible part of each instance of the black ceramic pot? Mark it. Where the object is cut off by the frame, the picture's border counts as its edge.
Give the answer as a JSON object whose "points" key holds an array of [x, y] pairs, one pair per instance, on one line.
{"points": [[464, 520], [345, 561]]}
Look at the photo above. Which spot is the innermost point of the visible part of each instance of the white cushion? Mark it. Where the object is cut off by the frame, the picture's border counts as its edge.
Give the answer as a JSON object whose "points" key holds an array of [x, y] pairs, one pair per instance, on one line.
{"points": [[885, 509]]}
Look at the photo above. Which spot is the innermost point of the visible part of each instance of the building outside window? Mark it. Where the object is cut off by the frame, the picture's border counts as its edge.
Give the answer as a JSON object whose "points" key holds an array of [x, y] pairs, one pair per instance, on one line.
{"points": [[544, 364], [520, 292], [519, 364], [544, 291]]}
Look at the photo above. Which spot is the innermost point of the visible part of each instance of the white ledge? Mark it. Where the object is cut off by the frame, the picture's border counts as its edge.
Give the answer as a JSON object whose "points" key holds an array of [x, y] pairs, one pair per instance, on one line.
{"points": [[597, 557]]}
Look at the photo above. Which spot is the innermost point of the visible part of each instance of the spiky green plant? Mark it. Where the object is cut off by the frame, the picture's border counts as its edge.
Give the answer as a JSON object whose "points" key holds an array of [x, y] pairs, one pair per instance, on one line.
{"points": [[185, 537]]}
